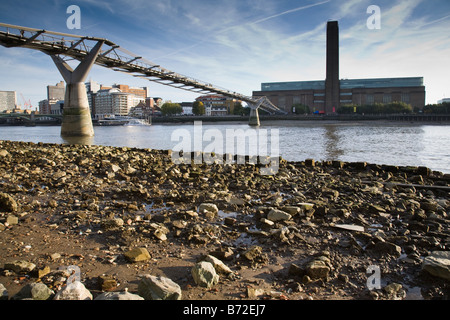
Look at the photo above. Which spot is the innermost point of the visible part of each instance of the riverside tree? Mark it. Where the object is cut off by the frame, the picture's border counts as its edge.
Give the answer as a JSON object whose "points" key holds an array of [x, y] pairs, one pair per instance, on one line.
{"points": [[170, 109], [198, 108]]}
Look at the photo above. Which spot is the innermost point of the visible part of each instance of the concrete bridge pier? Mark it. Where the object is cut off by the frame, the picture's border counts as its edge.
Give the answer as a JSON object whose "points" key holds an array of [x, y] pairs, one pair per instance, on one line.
{"points": [[76, 120], [254, 115]]}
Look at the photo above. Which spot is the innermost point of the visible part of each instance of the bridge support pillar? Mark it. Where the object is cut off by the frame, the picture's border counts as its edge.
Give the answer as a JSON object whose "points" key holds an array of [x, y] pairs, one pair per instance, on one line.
{"points": [[254, 117], [77, 121], [254, 114]]}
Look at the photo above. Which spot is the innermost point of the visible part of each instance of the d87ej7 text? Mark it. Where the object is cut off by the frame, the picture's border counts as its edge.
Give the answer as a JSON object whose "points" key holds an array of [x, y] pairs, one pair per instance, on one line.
{"points": [[244, 309]]}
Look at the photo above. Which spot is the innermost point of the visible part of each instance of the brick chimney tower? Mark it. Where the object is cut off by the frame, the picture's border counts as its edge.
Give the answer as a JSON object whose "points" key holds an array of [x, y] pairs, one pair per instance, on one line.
{"points": [[332, 84]]}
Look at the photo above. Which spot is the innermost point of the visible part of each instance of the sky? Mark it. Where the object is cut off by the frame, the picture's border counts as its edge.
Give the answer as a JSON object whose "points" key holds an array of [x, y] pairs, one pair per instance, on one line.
{"points": [[239, 44]]}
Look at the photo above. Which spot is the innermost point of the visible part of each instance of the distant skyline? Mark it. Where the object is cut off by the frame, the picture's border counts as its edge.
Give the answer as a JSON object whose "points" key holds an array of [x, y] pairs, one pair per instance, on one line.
{"points": [[239, 44]]}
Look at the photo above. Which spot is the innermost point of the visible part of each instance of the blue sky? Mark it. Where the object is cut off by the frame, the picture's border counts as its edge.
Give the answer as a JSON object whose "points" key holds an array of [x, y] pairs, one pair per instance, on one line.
{"points": [[238, 44]]}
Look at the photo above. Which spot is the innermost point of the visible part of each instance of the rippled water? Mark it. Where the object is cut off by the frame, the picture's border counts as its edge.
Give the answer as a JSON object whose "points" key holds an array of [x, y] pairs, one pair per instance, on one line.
{"points": [[381, 143]]}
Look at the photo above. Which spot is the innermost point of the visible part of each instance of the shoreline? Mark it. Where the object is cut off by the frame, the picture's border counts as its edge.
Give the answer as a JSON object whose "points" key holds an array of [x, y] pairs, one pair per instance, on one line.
{"points": [[308, 232]]}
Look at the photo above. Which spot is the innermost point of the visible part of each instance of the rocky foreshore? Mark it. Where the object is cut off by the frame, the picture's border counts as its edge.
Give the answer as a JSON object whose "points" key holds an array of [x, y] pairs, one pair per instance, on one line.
{"points": [[97, 222]]}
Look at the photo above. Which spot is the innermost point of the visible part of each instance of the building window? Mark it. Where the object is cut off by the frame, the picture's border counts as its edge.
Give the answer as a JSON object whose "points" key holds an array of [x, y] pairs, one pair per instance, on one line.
{"points": [[370, 99], [405, 97], [387, 98]]}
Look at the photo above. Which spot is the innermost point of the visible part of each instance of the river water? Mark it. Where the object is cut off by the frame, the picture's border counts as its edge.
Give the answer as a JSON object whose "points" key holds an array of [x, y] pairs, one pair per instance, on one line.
{"points": [[391, 143]]}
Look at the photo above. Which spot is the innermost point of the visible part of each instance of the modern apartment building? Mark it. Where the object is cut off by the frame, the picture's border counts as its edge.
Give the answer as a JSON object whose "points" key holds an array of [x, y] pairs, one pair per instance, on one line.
{"points": [[113, 101], [8, 100]]}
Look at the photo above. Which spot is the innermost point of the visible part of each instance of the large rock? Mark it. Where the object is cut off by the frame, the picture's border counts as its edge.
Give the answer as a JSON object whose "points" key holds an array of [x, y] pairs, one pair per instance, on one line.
{"points": [[204, 274], [35, 291], [3, 292], [211, 207], [74, 291], [20, 266], [438, 264], [137, 254], [218, 265], [125, 295], [318, 268], [158, 288], [7, 203], [386, 248], [278, 215]]}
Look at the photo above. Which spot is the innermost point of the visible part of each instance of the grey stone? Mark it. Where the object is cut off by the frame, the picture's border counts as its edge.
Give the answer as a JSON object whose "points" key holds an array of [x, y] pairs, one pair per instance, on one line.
{"points": [[125, 295], [34, 291], [218, 265], [278, 215], [158, 288], [208, 207], [438, 264], [74, 291], [204, 274], [3, 292], [20, 266]]}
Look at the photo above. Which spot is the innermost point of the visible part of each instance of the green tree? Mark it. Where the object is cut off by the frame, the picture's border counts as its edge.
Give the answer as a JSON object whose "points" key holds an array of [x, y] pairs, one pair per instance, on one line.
{"points": [[300, 108], [240, 110], [170, 109], [198, 108]]}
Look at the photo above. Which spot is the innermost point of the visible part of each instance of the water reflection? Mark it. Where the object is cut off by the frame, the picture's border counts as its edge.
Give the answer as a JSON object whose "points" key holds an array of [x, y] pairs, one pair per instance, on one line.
{"points": [[333, 150]]}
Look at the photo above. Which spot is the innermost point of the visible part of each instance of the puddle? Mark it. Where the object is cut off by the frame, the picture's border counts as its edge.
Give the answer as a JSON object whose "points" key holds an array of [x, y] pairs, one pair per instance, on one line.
{"points": [[413, 293], [245, 240]]}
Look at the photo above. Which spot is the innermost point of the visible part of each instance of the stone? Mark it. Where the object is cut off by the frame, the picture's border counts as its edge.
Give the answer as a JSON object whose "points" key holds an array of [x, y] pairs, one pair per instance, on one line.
{"points": [[204, 274], [137, 254], [437, 263], [3, 153], [42, 272], [73, 291], [306, 205], [20, 266], [3, 292], [384, 247], [208, 207], [252, 253], [39, 291], [292, 210], [107, 283], [7, 203], [125, 295], [218, 265], [158, 288], [278, 215], [318, 268], [12, 220], [113, 223]]}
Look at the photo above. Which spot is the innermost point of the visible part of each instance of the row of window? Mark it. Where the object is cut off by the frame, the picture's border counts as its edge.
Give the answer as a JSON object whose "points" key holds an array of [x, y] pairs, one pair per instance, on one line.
{"points": [[319, 98]]}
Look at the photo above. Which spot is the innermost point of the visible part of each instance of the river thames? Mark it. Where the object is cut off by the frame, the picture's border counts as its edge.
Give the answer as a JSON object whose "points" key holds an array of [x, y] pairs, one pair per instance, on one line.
{"points": [[390, 143]]}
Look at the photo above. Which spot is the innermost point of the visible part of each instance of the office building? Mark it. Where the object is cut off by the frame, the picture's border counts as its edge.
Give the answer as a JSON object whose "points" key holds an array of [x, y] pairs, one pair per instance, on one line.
{"points": [[109, 102], [8, 100]]}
